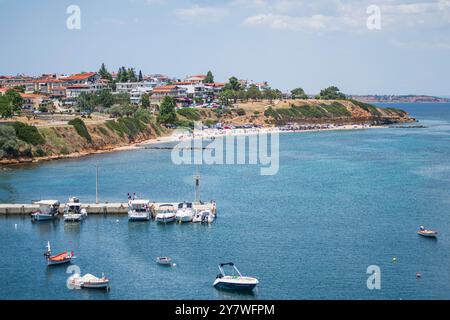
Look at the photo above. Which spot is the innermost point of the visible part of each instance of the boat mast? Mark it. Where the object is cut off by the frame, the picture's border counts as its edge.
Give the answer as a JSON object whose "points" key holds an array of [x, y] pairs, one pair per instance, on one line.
{"points": [[96, 183], [197, 187]]}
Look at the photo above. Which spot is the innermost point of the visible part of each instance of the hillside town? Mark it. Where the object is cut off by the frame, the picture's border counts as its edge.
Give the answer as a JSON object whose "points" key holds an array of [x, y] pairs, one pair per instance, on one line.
{"points": [[65, 93]]}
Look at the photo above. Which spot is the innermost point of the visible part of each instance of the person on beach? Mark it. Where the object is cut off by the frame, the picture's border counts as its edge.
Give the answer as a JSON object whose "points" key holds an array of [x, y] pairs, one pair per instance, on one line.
{"points": [[129, 196]]}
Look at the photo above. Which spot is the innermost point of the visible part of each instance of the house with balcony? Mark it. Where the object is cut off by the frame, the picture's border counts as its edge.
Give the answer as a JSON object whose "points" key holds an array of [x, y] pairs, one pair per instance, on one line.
{"points": [[32, 101], [174, 91]]}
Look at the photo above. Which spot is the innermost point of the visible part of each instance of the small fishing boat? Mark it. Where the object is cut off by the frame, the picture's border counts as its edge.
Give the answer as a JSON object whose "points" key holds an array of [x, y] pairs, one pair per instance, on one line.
{"points": [[427, 233], [73, 211], [90, 281], [166, 261], [48, 210], [166, 213], [61, 258], [185, 212], [139, 210], [235, 282]]}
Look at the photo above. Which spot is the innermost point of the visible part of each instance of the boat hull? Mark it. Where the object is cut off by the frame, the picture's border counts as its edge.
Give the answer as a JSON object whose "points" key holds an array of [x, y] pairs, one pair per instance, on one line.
{"points": [[427, 235], [42, 217], [54, 263], [138, 218], [102, 285], [165, 219], [230, 286], [184, 218]]}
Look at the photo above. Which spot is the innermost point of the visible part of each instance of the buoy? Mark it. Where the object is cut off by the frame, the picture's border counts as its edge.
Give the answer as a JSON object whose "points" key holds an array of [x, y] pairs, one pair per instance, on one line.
{"points": [[174, 265], [418, 275], [394, 259]]}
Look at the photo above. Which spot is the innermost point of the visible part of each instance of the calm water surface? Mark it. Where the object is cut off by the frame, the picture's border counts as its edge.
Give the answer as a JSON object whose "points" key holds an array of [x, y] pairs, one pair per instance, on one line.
{"points": [[341, 201]]}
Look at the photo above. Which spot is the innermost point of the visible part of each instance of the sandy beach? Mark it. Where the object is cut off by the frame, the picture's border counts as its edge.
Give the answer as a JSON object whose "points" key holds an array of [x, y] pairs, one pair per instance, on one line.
{"points": [[185, 135]]}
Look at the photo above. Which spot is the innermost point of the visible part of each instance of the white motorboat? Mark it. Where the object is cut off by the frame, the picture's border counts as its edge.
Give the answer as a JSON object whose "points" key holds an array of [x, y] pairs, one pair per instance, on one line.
{"points": [[166, 213], [185, 212], [89, 281], [207, 216], [427, 233], [73, 212], [235, 282], [197, 217], [166, 261], [48, 210], [139, 210]]}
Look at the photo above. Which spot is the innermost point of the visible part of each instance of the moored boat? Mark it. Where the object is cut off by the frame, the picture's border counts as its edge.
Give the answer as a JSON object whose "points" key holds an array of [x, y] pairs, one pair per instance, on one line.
{"points": [[73, 212], [185, 212], [90, 281], [427, 233], [235, 282], [61, 258], [48, 210], [166, 261], [139, 210], [166, 213]]}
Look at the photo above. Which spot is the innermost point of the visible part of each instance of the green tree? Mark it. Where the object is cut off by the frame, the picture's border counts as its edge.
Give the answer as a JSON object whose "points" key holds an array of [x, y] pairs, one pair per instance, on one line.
{"points": [[15, 98], [298, 93], [254, 93], [141, 77], [331, 93], [104, 73], [209, 78], [6, 108], [132, 75], [85, 102], [104, 99], [167, 113], [145, 100], [233, 84]]}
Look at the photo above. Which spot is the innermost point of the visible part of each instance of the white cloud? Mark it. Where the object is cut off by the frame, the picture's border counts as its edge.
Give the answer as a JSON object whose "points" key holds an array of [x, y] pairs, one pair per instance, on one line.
{"points": [[337, 15], [199, 13]]}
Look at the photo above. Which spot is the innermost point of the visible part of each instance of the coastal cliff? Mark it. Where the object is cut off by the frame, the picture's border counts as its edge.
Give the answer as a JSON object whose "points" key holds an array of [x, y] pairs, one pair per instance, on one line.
{"points": [[22, 143]]}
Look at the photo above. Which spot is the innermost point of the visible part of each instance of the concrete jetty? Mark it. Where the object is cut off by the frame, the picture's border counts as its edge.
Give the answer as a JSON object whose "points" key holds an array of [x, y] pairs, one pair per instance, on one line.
{"points": [[93, 208]]}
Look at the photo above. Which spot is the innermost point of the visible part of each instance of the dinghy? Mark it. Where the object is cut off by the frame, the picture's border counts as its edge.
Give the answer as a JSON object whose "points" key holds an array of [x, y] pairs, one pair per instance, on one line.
{"points": [[61, 258], [166, 261], [235, 282], [427, 233]]}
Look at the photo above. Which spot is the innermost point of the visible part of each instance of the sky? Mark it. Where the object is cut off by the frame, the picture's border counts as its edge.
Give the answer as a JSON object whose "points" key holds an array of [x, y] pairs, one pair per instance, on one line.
{"points": [[289, 43]]}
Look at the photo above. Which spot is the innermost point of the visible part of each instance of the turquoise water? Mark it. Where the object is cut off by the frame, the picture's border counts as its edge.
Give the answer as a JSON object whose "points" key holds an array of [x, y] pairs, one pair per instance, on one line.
{"points": [[341, 201]]}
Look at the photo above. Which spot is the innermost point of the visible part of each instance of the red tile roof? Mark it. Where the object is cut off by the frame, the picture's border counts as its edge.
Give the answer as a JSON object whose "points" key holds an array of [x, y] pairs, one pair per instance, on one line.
{"points": [[80, 76]]}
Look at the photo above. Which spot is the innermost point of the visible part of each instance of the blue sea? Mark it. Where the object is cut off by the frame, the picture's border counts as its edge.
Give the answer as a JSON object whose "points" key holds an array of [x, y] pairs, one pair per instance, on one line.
{"points": [[341, 202]]}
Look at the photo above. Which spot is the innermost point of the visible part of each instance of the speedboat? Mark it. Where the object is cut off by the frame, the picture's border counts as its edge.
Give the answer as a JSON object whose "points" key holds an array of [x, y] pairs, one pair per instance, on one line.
{"points": [[427, 233], [185, 212], [166, 213], [73, 211], [61, 258], [166, 261], [235, 282], [48, 210], [203, 216], [139, 210], [89, 281], [207, 216]]}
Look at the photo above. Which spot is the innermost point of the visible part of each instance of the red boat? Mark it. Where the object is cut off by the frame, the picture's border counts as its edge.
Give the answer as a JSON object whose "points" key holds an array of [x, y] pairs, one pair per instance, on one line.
{"points": [[61, 258]]}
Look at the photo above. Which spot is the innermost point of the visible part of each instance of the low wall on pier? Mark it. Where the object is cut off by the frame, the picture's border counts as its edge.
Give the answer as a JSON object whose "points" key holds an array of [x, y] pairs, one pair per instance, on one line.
{"points": [[92, 208]]}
